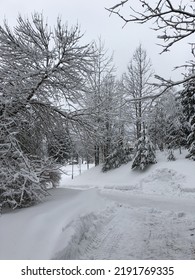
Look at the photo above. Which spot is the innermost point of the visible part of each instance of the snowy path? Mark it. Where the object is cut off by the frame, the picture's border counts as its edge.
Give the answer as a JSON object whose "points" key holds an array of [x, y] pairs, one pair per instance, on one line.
{"points": [[144, 233], [153, 216], [101, 224], [140, 227], [178, 204]]}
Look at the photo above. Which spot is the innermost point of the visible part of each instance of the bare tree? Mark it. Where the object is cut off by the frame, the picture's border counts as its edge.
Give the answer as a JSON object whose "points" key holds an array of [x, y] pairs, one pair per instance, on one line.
{"points": [[99, 80], [136, 84], [42, 78], [174, 20]]}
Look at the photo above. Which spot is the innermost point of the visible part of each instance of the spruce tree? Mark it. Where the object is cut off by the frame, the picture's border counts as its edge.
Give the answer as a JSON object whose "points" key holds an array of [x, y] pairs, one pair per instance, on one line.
{"points": [[60, 145], [144, 152], [120, 154], [191, 139], [176, 137], [188, 103]]}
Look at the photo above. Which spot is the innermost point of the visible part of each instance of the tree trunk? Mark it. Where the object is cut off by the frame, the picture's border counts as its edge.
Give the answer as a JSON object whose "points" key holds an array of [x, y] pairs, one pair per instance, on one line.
{"points": [[97, 155]]}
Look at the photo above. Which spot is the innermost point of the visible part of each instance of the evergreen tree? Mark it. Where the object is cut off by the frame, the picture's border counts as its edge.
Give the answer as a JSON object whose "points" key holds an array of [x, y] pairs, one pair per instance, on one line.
{"points": [[191, 139], [157, 125], [60, 146], [188, 100], [176, 137], [166, 122], [120, 154], [188, 103], [144, 152]]}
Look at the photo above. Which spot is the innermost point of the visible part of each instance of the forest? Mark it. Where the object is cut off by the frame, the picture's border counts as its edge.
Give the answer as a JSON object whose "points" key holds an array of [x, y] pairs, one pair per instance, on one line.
{"points": [[61, 101]]}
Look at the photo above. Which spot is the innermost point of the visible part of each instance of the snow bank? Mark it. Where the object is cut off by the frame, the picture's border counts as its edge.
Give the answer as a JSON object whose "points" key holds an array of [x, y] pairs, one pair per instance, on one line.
{"points": [[175, 178], [82, 230], [41, 231]]}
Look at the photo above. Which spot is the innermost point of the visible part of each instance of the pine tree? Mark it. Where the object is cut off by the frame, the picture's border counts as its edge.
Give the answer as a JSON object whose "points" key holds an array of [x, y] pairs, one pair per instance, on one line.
{"points": [[120, 154], [59, 145], [191, 139], [157, 125], [176, 137], [166, 122], [145, 153], [188, 103]]}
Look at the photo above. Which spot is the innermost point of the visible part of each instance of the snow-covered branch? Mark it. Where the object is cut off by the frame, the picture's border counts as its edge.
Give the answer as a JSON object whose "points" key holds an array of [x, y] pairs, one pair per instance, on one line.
{"points": [[175, 21]]}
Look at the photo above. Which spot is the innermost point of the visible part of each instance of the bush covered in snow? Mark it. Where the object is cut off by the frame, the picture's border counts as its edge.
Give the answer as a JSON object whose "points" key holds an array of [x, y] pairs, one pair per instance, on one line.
{"points": [[24, 179]]}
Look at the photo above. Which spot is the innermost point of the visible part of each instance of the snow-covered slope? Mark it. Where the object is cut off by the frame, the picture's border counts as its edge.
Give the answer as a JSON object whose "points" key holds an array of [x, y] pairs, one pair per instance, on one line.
{"points": [[128, 215], [164, 178]]}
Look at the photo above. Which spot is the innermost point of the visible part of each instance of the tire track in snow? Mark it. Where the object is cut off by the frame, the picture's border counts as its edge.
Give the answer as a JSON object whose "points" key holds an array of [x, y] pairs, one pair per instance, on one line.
{"points": [[142, 234], [119, 238], [171, 236]]}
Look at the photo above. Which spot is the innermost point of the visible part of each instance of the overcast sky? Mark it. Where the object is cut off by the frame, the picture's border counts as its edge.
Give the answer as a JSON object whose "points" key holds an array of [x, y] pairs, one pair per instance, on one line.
{"points": [[95, 21]]}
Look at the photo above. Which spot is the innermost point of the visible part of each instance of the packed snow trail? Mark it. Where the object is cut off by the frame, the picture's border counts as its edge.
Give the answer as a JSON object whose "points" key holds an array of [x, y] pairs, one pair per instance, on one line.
{"points": [[153, 216], [143, 234], [138, 228], [177, 204]]}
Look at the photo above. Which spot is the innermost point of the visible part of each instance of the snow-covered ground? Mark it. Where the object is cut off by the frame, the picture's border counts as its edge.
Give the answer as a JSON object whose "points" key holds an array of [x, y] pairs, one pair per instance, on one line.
{"points": [[121, 214]]}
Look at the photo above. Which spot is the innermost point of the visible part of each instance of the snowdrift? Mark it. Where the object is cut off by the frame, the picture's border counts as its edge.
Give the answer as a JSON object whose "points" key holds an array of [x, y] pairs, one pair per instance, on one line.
{"points": [[175, 178]]}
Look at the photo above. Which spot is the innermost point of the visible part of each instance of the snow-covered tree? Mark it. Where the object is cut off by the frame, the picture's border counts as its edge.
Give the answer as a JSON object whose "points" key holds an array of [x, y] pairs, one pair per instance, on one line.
{"points": [[120, 153], [166, 122], [175, 20], [188, 99], [131, 108], [144, 152], [172, 20], [59, 145], [157, 125], [188, 105], [40, 69], [136, 83], [116, 134], [99, 99], [175, 135], [191, 139]]}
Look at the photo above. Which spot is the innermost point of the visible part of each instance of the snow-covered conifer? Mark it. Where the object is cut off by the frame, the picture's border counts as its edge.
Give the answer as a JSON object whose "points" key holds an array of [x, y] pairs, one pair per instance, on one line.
{"points": [[191, 139], [121, 153], [144, 152], [166, 122], [59, 145], [188, 103]]}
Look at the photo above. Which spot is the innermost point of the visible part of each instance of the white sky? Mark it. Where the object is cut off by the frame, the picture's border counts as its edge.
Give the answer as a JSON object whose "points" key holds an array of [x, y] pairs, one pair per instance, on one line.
{"points": [[95, 21]]}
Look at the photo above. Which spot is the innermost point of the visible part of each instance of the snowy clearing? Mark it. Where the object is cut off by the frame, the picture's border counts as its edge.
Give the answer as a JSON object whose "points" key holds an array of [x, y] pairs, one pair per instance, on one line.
{"points": [[121, 214]]}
